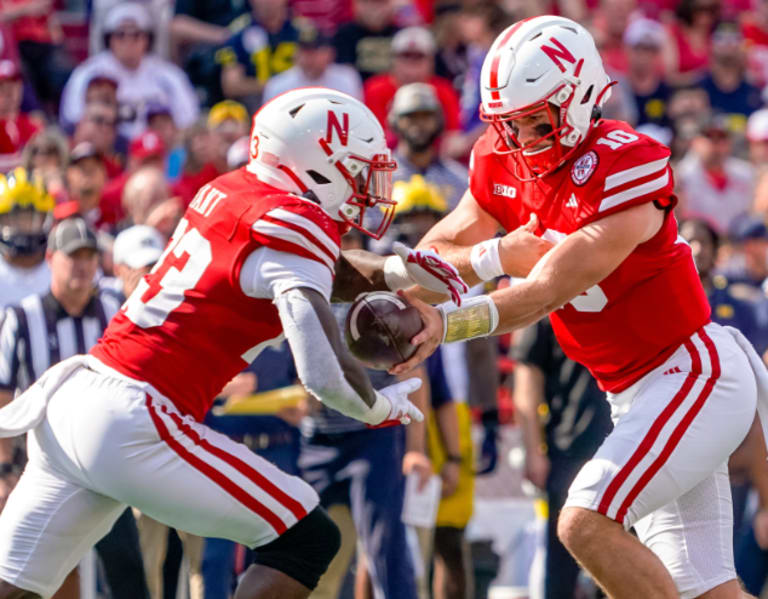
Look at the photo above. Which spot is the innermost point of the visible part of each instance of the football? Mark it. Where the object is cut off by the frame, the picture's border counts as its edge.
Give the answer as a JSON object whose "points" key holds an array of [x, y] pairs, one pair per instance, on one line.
{"points": [[379, 329]]}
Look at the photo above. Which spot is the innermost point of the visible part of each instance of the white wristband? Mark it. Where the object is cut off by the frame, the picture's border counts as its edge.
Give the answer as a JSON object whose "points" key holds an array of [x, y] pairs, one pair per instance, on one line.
{"points": [[395, 274], [485, 259], [477, 317]]}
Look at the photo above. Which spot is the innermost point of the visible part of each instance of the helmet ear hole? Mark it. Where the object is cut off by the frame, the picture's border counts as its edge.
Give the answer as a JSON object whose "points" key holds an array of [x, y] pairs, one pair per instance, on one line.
{"points": [[318, 177], [587, 95]]}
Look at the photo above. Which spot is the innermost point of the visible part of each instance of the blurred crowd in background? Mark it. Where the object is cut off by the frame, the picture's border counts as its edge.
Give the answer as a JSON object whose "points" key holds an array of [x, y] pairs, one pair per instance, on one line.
{"points": [[113, 114]]}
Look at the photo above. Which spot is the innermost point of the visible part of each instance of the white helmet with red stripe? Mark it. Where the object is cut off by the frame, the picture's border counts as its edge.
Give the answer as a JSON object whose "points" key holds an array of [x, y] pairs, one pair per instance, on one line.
{"points": [[328, 147], [540, 61]]}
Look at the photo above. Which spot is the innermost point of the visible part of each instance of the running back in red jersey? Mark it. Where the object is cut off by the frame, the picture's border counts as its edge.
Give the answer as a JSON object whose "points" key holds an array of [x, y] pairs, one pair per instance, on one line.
{"points": [[189, 327], [636, 317]]}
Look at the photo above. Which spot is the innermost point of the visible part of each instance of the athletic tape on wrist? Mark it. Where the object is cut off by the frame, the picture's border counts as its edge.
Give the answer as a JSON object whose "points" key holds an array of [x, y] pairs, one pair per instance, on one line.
{"points": [[396, 274], [485, 259], [477, 317]]}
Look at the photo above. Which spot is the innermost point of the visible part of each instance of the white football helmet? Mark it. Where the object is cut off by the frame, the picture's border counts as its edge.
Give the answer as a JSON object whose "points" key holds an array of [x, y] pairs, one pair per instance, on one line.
{"points": [[535, 62], [328, 147]]}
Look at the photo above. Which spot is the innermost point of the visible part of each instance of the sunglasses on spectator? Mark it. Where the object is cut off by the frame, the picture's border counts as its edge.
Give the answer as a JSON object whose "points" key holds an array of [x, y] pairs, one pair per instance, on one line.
{"points": [[44, 151], [134, 35], [717, 135], [411, 55], [102, 121]]}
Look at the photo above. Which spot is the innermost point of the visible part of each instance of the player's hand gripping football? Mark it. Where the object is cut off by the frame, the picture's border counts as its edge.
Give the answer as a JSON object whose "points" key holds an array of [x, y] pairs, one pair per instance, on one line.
{"points": [[403, 409], [427, 339], [427, 269]]}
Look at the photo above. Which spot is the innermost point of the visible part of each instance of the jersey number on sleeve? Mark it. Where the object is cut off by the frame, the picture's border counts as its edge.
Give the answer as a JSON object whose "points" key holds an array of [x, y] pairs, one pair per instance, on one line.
{"points": [[178, 270]]}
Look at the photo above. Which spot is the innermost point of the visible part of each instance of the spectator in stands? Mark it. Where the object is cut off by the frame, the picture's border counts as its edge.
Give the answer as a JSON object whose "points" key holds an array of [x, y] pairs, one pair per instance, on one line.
{"points": [[480, 24], [86, 177], [38, 36], [160, 121], [141, 76], [98, 126], [643, 41], [728, 307], [147, 200], [146, 150], [749, 236], [364, 43], [26, 215], [714, 185], [315, 68], [16, 127], [413, 61], [265, 47], [757, 136], [754, 28], [726, 85], [688, 45], [416, 119], [197, 29], [205, 160], [47, 155], [609, 23], [228, 121], [134, 253], [563, 419], [451, 58]]}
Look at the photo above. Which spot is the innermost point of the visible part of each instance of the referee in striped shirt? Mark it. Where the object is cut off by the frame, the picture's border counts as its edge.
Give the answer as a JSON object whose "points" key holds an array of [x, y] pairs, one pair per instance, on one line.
{"points": [[44, 329]]}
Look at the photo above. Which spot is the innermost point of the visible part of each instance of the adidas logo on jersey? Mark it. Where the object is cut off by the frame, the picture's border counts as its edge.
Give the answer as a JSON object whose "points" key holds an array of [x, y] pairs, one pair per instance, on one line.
{"points": [[508, 191], [673, 370], [572, 202]]}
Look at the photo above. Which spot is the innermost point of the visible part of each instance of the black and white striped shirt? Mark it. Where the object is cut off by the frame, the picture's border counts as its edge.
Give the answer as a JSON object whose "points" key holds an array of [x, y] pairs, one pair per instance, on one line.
{"points": [[38, 333]]}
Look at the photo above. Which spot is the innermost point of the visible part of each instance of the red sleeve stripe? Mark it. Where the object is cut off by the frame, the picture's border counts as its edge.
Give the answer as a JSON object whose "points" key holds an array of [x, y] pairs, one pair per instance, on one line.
{"points": [[281, 245], [317, 234], [636, 172], [634, 192], [298, 238]]}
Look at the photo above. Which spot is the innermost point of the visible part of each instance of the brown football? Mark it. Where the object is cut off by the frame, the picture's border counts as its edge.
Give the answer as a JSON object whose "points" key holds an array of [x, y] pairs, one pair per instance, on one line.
{"points": [[379, 329]]}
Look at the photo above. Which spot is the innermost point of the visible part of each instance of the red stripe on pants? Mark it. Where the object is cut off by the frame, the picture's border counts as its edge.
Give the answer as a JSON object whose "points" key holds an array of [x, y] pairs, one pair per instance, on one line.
{"points": [[217, 477], [653, 433], [679, 431]]}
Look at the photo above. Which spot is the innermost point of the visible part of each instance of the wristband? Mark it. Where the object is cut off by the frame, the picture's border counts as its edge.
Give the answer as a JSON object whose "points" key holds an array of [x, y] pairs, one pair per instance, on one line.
{"points": [[477, 317], [395, 274], [486, 260]]}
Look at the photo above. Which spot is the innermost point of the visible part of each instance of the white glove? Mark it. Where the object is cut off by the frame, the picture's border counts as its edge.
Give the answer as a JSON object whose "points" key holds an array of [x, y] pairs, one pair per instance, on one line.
{"points": [[402, 408], [424, 268]]}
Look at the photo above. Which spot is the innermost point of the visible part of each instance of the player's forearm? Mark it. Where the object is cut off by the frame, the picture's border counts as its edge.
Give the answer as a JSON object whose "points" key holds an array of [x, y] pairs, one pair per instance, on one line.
{"points": [[358, 271], [448, 426], [416, 433], [528, 396]]}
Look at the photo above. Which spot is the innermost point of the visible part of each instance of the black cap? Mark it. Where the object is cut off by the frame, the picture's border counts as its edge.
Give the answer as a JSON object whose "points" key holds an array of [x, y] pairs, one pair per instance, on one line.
{"points": [[312, 37], [747, 227], [70, 235], [83, 150]]}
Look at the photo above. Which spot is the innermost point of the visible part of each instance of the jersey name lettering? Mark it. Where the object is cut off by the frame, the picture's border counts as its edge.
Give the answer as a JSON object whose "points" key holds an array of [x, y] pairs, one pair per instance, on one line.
{"points": [[206, 200]]}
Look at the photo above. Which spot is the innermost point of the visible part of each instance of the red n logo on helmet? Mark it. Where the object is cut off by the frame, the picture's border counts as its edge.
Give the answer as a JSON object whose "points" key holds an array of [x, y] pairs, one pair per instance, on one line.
{"points": [[560, 52], [342, 129]]}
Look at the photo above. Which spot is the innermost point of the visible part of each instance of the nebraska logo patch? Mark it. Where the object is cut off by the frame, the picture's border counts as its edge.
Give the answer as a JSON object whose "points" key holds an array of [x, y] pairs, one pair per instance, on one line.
{"points": [[583, 168]]}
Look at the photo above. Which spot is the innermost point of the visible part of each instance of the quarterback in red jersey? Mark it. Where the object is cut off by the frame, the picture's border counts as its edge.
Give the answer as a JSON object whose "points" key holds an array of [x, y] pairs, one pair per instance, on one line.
{"points": [[595, 198], [252, 261]]}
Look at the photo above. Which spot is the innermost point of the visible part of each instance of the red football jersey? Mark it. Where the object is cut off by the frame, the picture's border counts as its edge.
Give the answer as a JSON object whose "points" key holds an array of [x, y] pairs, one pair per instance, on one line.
{"points": [[188, 328], [636, 317]]}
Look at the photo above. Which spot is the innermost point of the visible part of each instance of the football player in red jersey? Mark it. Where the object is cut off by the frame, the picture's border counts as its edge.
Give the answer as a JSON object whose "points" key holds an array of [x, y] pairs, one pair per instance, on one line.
{"points": [[595, 197], [252, 261]]}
